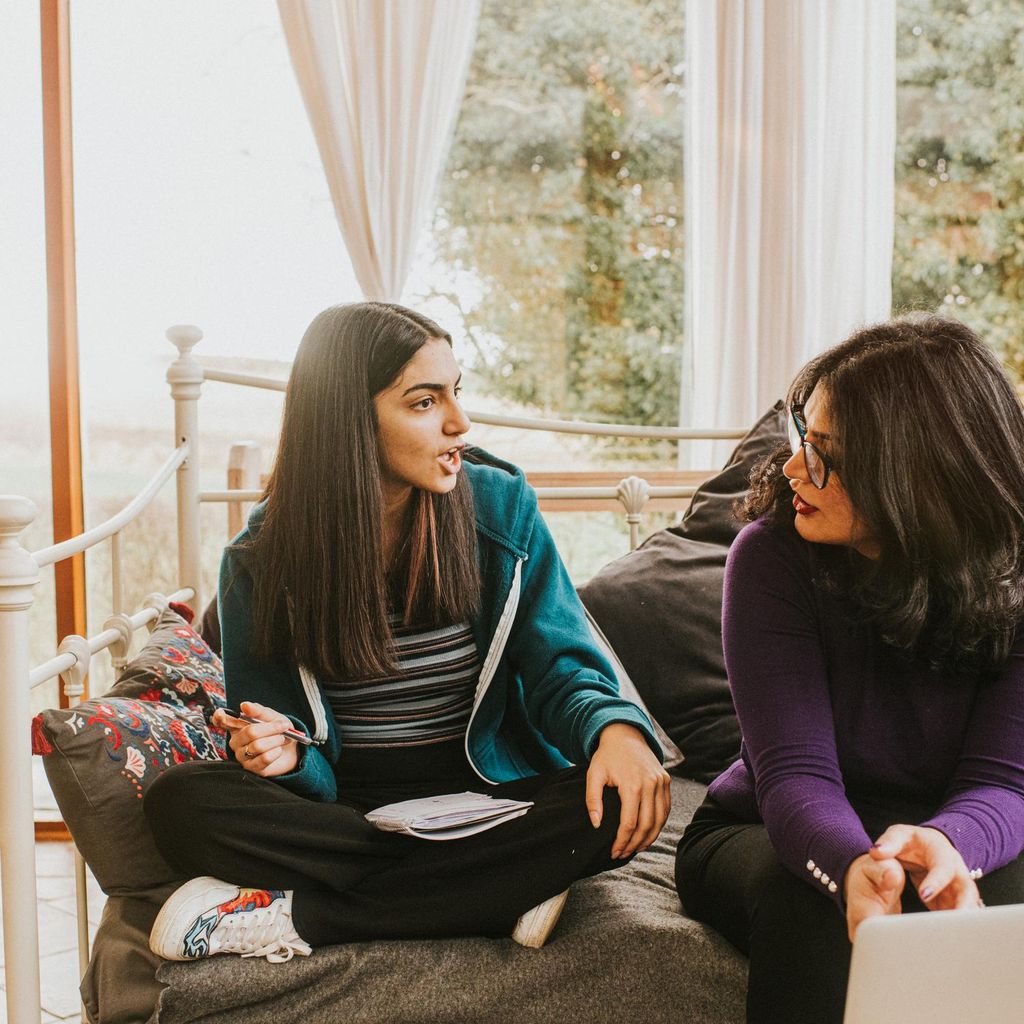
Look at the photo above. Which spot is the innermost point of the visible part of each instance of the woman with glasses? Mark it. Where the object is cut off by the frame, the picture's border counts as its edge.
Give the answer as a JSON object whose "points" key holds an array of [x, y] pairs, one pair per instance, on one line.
{"points": [[871, 629]]}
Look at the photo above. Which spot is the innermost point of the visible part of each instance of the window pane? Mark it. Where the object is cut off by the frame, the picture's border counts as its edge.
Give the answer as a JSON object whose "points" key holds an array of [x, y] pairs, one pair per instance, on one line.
{"points": [[959, 174], [24, 398], [557, 244], [200, 197]]}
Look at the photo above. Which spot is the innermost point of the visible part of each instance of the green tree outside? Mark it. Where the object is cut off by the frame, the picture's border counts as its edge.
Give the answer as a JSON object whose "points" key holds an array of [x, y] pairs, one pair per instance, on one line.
{"points": [[960, 166], [563, 198]]}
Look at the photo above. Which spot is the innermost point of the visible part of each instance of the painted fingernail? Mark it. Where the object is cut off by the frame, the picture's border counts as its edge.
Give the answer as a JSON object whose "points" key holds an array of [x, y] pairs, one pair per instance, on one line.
{"points": [[927, 893]]}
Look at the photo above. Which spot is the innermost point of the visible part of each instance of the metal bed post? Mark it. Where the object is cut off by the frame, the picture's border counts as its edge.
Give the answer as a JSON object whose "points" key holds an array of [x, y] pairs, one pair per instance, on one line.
{"points": [[185, 375], [18, 575]]}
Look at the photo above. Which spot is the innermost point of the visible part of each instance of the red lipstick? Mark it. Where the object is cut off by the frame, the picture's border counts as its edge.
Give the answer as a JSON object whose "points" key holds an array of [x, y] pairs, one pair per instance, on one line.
{"points": [[803, 508]]}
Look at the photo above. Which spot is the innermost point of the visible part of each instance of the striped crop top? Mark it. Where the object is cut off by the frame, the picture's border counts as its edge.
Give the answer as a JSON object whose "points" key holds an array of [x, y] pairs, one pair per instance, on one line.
{"points": [[427, 700]]}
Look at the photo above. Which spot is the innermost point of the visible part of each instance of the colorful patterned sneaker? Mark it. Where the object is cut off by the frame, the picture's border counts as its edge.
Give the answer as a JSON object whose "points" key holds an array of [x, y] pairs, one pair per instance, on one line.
{"points": [[534, 927], [208, 916]]}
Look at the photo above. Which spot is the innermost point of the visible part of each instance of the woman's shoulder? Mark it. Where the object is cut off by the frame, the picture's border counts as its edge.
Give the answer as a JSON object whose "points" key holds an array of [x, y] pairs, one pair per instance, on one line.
{"points": [[770, 557], [770, 561], [236, 558], [770, 545], [768, 540]]}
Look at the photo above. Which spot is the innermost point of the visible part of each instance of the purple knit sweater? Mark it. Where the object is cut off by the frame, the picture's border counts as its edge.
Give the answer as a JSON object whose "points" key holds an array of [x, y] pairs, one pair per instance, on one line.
{"points": [[843, 736]]}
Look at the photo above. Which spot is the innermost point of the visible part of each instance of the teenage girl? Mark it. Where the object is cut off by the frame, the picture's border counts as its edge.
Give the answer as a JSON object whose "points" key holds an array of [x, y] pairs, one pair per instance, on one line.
{"points": [[397, 598]]}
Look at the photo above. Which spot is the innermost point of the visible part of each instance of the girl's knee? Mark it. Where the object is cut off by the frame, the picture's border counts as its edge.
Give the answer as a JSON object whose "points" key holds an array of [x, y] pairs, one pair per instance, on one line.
{"points": [[171, 798]]}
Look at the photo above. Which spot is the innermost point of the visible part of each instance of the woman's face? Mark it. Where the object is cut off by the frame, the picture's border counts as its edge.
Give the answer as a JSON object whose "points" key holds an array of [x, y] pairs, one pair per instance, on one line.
{"points": [[420, 425], [826, 516]]}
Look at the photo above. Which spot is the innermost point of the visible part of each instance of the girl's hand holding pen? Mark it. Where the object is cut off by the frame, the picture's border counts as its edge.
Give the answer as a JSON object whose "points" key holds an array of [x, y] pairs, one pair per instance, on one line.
{"points": [[260, 743]]}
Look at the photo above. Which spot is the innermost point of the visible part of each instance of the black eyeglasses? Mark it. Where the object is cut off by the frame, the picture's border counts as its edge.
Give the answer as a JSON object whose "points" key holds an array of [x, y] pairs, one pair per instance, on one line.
{"points": [[819, 465]]}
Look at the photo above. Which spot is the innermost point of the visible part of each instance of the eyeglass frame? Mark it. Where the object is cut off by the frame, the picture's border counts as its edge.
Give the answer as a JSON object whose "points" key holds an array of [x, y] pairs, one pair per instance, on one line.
{"points": [[796, 416]]}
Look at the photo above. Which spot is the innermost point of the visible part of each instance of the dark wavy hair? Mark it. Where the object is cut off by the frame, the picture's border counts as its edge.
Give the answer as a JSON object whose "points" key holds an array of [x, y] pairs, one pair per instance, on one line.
{"points": [[929, 445], [318, 564]]}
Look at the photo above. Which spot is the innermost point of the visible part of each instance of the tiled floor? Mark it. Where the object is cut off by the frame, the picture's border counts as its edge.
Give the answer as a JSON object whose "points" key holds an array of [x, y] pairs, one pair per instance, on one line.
{"points": [[58, 934], [58, 931]]}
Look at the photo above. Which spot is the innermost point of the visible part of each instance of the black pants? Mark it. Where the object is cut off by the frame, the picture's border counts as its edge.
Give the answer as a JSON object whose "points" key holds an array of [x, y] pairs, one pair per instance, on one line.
{"points": [[354, 882], [729, 876]]}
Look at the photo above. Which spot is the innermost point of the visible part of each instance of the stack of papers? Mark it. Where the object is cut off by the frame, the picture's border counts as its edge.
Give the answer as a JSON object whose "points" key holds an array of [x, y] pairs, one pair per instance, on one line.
{"points": [[450, 816]]}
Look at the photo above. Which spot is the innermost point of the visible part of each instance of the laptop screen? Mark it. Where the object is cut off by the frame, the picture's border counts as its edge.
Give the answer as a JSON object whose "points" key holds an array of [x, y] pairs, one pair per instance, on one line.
{"points": [[940, 967]]}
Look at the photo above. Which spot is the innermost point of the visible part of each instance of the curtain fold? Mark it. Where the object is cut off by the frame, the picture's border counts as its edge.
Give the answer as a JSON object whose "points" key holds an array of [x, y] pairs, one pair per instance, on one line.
{"points": [[790, 156], [382, 81]]}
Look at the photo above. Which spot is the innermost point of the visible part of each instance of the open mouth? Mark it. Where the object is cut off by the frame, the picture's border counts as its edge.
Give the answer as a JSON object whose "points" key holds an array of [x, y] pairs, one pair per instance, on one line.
{"points": [[451, 460]]}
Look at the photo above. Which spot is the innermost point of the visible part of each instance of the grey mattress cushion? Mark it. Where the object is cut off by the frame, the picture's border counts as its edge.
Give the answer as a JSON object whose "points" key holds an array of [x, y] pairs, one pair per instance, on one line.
{"points": [[623, 949], [120, 985]]}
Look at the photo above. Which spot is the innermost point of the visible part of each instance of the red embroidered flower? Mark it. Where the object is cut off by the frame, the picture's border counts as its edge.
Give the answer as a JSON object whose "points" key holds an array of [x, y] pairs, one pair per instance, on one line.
{"points": [[182, 738]]}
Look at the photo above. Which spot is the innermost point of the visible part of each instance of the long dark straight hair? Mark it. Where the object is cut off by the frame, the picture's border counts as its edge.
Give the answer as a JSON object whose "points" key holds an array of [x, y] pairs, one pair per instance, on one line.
{"points": [[929, 444], [317, 560]]}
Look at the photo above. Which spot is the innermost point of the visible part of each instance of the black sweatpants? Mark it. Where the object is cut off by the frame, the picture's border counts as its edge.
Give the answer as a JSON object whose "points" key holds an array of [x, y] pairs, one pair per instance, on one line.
{"points": [[351, 881], [729, 876]]}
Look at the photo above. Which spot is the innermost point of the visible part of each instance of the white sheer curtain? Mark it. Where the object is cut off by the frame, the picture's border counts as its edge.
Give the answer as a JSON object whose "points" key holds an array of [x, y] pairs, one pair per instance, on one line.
{"points": [[790, 151], [382, 81]]}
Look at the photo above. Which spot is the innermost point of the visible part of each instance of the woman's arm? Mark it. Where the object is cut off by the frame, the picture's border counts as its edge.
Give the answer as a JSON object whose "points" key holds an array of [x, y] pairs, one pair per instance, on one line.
{"points": [[571, 693], [775, 657], [270, 685], [983, 812], [570, 688], [980, 826]]}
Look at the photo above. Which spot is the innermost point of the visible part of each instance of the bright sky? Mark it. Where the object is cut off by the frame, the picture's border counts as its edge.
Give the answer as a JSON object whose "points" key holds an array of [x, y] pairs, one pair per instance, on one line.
{"points": [[199, 197]]}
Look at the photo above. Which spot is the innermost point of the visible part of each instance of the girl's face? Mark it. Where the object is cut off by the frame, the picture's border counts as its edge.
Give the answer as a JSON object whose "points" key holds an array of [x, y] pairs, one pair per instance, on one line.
{"points": [[825, 516], [420, 425]]}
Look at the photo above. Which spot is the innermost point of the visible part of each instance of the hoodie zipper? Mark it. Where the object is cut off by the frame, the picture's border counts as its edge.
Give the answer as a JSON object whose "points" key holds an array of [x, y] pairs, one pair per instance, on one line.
{"points": [[490, 665], [316, 704], [312, 690]]}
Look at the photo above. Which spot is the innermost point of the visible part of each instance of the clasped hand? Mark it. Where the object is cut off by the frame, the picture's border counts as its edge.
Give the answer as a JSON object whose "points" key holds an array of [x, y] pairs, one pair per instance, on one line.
{"points": [[260, 747], [875, 880], [624, 761]]}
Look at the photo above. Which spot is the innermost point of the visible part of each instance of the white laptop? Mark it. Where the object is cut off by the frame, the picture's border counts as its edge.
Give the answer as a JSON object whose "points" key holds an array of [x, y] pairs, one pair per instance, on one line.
{"points": [[941, 967]]}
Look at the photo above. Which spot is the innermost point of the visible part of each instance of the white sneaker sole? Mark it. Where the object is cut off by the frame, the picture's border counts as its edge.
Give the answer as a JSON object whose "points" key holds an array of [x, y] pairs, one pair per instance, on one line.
{"points": [[534, 927], [183, 906]]}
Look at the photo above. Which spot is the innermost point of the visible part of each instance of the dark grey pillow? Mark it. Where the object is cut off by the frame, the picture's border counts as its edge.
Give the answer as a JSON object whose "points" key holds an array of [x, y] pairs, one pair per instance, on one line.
{"points": [[711, 515], [661, 609], [120, 986], [100, 758]]}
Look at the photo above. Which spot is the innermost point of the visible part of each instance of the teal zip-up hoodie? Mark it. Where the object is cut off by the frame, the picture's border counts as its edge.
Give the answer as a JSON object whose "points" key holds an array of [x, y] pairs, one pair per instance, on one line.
{"points": [[545, 690]]}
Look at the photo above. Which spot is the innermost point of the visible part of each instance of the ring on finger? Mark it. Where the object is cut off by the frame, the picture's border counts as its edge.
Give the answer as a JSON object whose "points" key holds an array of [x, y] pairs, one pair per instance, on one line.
{"points": [[248, 753]]}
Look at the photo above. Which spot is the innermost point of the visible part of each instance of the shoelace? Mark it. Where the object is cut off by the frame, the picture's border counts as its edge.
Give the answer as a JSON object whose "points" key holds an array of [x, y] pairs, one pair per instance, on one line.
{"points": [[264, 932], [282, 951]]}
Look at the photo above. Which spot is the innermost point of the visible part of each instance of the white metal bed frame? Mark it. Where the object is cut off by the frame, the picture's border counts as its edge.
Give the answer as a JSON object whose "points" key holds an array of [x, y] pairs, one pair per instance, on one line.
{"points": [[19, 573]]}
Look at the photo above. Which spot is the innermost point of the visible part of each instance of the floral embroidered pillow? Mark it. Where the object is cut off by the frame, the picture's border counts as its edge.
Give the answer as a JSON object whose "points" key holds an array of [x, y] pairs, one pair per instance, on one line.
{"points": [[177, 667], [100, 758]]}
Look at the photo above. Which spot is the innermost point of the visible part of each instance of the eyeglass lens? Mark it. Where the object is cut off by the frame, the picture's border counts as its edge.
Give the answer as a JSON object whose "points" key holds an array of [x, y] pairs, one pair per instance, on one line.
{"points": [[813, 459], [815, 465]]}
